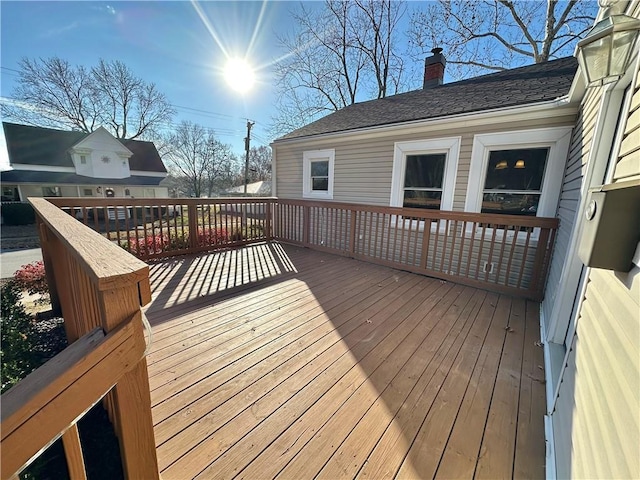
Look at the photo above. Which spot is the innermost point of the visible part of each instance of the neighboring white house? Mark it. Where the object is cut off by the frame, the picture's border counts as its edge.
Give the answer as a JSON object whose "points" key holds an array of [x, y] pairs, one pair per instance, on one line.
{"points": [[46, 162], [462, 147], [261, 188]]}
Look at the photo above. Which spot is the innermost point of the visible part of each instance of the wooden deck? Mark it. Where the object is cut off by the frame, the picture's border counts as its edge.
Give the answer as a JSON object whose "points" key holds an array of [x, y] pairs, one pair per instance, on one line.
{"points": [[277, 361]]}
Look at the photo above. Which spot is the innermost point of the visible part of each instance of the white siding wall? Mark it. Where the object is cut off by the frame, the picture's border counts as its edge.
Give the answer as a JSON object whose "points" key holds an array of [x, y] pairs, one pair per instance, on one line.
{"points": [[363, 167]]}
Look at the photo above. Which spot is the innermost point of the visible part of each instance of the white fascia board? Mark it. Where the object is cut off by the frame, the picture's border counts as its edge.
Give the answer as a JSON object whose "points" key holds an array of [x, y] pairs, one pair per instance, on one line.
{"points": [[553, 108], [43, 168], [144, 173]]}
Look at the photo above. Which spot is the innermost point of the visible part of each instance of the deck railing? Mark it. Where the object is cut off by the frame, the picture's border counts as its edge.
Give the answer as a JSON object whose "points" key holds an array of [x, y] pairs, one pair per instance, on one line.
{"points": [[155, 228], [504, 253], [99, 288]]}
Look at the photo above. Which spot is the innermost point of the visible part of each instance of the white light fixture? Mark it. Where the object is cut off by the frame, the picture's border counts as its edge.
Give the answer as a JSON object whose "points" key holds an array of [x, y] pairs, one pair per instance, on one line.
{"points": [[605, 53]]}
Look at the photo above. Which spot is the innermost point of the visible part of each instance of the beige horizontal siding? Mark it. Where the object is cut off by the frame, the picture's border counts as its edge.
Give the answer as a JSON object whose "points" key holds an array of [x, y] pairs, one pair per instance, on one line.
{"points": [[628, 165], [363, 168], [579, 149], [597, 417]]}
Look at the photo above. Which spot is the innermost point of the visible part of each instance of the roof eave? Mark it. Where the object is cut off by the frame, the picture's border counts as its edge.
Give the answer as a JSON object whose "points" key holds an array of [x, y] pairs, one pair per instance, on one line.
{"points": [[565, 101]]}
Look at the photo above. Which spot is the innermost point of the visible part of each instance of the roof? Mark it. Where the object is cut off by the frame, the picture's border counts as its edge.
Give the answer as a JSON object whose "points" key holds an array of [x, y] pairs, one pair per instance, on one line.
{"points": [[519, 86], [46, 146], [262, 187], [63, 178]]}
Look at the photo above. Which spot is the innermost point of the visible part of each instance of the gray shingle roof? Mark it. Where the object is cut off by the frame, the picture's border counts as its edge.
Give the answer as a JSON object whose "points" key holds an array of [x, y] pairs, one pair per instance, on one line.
{"points": [[46, 146], [63, 178], [519, 86]]}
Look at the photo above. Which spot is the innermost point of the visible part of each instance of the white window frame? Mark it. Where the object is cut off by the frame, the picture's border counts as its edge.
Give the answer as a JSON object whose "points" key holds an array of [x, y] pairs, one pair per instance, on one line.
{"points": [[557, 139], [308, 158], [450, 146]]}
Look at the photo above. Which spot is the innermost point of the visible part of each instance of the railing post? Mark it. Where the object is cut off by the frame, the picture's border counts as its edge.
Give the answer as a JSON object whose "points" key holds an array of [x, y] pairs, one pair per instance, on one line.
{"points": [[352, 232], [192, 209], [538, 262], [131, 396], [269, 229], [306, 224], [45, 246]]}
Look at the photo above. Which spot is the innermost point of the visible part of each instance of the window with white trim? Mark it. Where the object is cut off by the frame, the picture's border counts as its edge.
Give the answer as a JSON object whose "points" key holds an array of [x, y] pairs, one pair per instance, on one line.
{"points": [[513, 183], [424, 173], [317, 171], [518, 172]]}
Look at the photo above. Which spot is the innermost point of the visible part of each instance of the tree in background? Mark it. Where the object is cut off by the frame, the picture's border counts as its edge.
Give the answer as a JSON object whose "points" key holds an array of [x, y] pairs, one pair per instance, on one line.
{"points": [[197, 157], [477, 36], [344, 52], [259, 163], [53, 93]]}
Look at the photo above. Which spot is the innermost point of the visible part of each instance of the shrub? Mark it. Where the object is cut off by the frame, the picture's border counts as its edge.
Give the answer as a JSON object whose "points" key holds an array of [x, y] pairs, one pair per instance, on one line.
{"points": [[149, 245], [32, 278], [18, 214], [212, 236], [18, 337]]}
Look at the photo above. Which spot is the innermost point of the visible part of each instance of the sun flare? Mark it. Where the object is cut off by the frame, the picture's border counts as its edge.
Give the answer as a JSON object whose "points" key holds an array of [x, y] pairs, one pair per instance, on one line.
{"points": [[239, 75]]}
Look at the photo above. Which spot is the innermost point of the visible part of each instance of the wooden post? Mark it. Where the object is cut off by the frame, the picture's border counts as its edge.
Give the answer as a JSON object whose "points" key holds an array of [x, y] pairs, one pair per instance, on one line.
{"points": [[48, 267], [193, 225], [538, 275], [131, 396], [269, 230], [306, 224], [73, 453], [352, 232]]}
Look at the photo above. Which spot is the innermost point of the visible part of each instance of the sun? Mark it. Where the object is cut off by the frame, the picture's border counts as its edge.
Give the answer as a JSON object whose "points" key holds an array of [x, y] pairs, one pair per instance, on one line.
{"points": [[239, 75]]}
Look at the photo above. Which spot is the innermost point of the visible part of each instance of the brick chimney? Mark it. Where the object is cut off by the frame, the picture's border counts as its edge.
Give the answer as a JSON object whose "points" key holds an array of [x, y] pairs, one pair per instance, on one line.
{"points": [[434, 69]]}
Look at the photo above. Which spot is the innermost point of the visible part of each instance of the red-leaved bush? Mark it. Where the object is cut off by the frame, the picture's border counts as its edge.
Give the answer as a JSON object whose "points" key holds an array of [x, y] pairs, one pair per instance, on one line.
{"points": [[32, 278], [148, 245], [212, 236]]}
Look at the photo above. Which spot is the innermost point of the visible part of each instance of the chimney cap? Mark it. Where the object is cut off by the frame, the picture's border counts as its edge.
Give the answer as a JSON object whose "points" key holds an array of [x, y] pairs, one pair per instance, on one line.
{"points": [[436, 50]]}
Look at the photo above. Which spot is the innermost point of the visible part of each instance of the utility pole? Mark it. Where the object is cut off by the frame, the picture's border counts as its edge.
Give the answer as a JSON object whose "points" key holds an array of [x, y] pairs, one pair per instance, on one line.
{"points": [[247, 142]]}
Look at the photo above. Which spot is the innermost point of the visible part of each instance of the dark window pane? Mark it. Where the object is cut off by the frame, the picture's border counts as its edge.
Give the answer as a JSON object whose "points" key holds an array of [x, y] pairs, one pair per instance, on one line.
{"points": [[320, 169], [424, 171], [512, 204], [419, 199], [320, 184], [520, 169]]}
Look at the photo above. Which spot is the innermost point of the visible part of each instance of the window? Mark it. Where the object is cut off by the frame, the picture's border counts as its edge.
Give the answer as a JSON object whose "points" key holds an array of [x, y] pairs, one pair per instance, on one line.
{"points": [[83, 159], [51, 192], [518, 173], [424, 173], [87, 192], [317, 171], [513, 183], [10, 194]]}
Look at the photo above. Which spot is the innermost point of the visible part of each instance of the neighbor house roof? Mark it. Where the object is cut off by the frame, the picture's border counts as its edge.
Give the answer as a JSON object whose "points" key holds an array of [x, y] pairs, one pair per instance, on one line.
{"points": [[519, 86], [63, 178], [262, 187], [46, 146]]}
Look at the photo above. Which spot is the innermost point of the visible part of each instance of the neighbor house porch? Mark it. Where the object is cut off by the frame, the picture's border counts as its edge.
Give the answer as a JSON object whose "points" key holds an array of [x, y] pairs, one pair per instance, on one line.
{"points": [[277, 361]]}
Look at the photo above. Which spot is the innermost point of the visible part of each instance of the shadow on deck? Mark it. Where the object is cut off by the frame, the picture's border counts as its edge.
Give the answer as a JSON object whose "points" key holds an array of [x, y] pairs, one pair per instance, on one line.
{"points": [[277, 361]]}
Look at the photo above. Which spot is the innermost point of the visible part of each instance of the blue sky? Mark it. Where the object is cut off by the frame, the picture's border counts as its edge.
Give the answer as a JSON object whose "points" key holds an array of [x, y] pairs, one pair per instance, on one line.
{"points": [[168, 43]]}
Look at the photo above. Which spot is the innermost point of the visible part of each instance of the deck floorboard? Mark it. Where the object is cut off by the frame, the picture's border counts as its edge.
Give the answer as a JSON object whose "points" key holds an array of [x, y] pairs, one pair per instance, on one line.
{"points": [[274, 361]]}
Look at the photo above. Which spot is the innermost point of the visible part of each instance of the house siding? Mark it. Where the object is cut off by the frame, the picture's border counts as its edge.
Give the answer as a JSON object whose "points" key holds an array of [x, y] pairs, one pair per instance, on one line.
{"points": [[364, 167], [579, 151], [596, 419]]}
